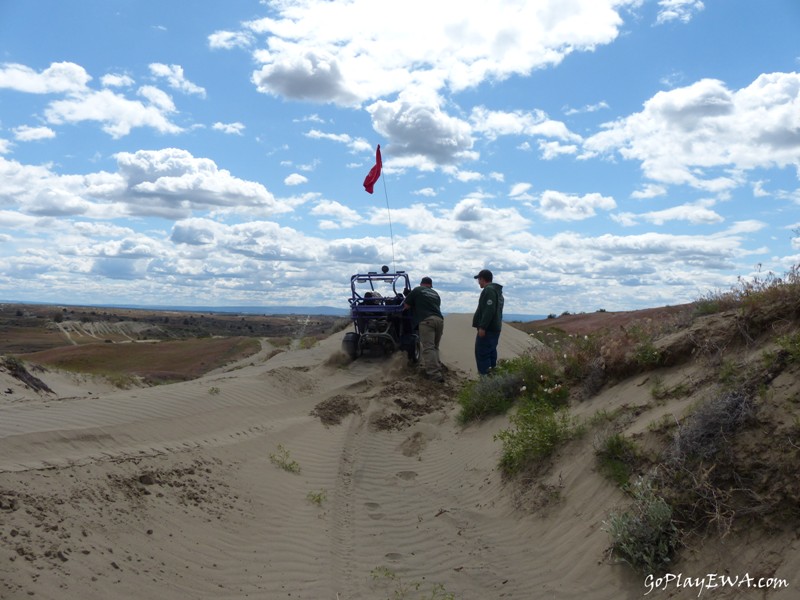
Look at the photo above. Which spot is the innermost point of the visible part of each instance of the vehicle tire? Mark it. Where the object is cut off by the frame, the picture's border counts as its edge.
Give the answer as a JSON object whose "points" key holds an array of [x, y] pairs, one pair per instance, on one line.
{"points": [[414, 351], [351, 345]]}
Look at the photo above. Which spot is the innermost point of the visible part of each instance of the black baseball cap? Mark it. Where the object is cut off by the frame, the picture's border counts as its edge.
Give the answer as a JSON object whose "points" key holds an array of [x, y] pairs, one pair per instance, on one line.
{"points": [[485, 274], [426, 281]]}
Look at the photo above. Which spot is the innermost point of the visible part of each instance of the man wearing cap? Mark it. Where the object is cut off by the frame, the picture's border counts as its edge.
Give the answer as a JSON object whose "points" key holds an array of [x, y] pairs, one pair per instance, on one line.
{"points": [[424, 303], [488, 320]]}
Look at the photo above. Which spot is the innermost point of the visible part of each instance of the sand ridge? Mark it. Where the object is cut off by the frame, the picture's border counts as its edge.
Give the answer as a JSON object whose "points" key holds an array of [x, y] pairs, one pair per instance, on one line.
{"points": [[292, 475]]}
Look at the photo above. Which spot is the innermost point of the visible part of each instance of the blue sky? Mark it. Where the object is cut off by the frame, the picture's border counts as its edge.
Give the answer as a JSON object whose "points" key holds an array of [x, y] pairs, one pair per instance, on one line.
{"points": [[595, 154]]}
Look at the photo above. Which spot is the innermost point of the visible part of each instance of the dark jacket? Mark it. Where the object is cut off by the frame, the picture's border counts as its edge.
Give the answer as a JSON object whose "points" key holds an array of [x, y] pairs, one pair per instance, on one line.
{"points": [[489, 315], [424, 302]]}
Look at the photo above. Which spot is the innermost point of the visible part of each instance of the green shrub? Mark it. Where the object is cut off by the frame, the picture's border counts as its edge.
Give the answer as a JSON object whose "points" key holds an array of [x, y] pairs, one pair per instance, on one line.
{"points": [[523, 377], [616, 456], [488, 396], [644, 536], [283, 460], [791, 344], [538, 429]]}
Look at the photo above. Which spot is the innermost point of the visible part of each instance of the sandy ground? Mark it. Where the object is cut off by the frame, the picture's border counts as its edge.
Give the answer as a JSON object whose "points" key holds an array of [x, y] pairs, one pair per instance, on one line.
{"points": [[303, 476]]}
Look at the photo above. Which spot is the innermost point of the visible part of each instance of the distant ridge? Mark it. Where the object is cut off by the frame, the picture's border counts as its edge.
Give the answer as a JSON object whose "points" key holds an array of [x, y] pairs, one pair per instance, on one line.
{"points": [[329, 311], [250, 310]]}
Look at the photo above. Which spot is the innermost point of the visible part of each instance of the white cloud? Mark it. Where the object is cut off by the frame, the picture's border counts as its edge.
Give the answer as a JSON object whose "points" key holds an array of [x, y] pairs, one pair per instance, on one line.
{"points": [[423, 130], [229, 128], [25, 133], [649, 190], [519, 190], [5, 146], [229, 39], [171, 183], [295, 179], [535, 124], [118, 114], [706, 136], [342, 216], [589, 108], [321, 51], [63, 77], [678, 10], [116, 80], [695, 214], [176, 79], [556, 205]]}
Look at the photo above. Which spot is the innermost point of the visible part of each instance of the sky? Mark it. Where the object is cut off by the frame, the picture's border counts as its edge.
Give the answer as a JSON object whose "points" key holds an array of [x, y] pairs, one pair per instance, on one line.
{"points": [[594, 154]]}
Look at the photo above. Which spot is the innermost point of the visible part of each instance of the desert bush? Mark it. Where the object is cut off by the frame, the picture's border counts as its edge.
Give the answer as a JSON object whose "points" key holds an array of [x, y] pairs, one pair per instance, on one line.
{"points": [[762, 298], [537, 430], [645, 535], [616, 457], [283, 460], [525, 376], [707, 428], [489, 396], [791, 344]]}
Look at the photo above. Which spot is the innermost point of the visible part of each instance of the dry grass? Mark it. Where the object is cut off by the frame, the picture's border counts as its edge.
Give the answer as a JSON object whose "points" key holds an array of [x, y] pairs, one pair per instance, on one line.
{"points": [[161, 362]]}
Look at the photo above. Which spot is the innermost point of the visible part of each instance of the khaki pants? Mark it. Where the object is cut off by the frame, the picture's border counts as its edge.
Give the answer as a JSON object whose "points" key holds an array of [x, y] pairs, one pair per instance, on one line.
{"points": [[430, 334]]}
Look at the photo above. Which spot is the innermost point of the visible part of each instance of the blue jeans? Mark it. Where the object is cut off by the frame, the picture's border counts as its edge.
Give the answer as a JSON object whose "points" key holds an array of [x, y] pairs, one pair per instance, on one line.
{"points": [[486, 351]]}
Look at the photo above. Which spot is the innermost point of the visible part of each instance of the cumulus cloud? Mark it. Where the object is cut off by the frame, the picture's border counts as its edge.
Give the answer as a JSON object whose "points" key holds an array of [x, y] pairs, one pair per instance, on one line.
{"points": [[230, 39], [340, 216], [705, 135], [116, 80], [25, 133], [171, 183], [63, 77], [320, 51], [678, 10], [229, 128], [117, 114], [560, 206], [295, 179], [423, 130], [176, 79], [536, 123], [695, 214]]}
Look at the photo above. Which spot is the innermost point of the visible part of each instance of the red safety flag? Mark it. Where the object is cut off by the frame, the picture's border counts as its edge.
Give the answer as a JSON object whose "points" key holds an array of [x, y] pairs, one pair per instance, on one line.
{"points": [[375, 172]]}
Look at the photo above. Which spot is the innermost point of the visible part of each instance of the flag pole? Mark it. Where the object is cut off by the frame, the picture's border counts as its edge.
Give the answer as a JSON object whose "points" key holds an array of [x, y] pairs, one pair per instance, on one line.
{"points": [[370, 180], [389, 213]]}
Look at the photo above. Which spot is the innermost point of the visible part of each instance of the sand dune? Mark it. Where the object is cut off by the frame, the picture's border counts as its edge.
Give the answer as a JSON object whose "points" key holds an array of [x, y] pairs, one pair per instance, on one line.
{"points": [[302, 476]]}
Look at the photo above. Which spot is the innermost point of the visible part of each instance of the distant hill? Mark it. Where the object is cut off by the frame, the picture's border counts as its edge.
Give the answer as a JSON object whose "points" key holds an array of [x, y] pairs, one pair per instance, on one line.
{"points": [[248, 310]]}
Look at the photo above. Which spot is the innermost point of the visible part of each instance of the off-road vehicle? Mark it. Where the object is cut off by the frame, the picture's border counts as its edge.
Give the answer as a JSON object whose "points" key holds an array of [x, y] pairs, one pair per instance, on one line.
{"points": [[380, 323]]}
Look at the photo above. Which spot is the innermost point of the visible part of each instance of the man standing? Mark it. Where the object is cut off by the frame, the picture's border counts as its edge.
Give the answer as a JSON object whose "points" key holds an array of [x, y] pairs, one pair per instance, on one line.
{"points": [[488, 320], [424, 303]]}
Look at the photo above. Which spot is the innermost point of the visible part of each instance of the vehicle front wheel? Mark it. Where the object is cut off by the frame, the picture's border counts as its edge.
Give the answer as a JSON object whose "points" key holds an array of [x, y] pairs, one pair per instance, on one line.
{"points": [[351, 345]]}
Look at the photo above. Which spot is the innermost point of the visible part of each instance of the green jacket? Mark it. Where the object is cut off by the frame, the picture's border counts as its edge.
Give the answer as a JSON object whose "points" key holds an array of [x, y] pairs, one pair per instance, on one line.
{"points": [[489, 315], [424, 302]]}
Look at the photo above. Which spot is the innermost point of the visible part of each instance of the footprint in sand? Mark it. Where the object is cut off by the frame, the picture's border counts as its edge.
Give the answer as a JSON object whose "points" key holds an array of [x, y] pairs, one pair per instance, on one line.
{"points": [[393, 556], [373, 515]]}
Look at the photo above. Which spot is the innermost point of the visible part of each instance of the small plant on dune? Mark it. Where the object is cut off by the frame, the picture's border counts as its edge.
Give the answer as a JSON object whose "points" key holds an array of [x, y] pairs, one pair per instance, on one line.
{"points": [[791, 344], [616, 458], [213, 390], [520, 378], [537, 430], [282, 459], [317, 497], [488, 396], [645, 535]]}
